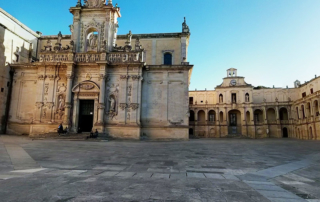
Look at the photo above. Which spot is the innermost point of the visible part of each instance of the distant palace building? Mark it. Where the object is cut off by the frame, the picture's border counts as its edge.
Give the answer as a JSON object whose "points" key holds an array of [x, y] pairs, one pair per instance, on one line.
{"points": [[236, 108], [134, 85]]}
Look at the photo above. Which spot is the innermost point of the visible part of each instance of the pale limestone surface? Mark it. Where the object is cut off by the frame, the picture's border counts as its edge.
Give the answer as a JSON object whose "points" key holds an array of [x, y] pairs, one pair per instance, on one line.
{"points": [[260, 113], [17, 44], [202, 170], [134, 93]]}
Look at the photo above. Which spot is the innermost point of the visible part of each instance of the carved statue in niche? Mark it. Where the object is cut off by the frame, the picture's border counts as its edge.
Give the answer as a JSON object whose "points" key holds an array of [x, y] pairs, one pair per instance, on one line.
{"points": [[61, 103], [247, 98], [92, 41], [220, 99], [112, 103], [16, 55]]}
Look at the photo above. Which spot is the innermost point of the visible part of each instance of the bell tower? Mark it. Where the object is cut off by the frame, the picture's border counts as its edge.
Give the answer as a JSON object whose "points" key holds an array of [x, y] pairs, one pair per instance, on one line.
{"points": [[95, 25]]}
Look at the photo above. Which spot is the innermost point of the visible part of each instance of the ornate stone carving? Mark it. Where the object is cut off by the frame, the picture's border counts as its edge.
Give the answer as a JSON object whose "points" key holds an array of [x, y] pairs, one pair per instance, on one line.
{"points": [[86, 86], [123, 106], [39, 105], [134, 106], [129, 90], [49, 105], [61, 103], [88, 77], [176, 122], [124, 77], [42, 77], [52, 77], [61, 88], [128, 116], [112, 103], [135, 77], [94, 3], [46, 88], [101, 106]]}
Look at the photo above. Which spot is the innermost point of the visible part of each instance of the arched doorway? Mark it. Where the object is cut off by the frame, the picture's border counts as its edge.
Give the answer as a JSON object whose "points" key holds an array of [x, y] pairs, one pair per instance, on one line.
{"points": [[212, 116], [221, 116], [190, 132], [316, 108], [258, 116], [285, 132], [271, 115], [247, 117], [283, 112], [201, 116], [308, 109], [234, 122], [191, 117]]}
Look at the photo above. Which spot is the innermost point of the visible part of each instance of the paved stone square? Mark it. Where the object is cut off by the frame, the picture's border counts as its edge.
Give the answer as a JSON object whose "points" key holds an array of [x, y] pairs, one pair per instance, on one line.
{"points": [[196, 170]]}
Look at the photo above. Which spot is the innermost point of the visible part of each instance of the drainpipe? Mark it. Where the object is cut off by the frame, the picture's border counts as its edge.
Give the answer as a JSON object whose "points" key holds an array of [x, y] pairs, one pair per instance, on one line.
{"points": [[6, 117]]}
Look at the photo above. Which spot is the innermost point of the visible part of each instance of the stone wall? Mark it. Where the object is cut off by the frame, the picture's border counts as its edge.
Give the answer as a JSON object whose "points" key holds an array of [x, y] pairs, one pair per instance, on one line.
{"points": [[18, 44]]}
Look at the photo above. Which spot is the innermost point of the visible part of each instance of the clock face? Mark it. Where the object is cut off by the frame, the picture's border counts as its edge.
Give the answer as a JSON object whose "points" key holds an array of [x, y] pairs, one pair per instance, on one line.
{"points": [[233, 82]]}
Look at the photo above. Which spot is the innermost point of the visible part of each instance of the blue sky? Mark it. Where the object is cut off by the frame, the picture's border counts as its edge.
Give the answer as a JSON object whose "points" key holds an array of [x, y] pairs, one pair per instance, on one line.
{"points": [[270, 42]]}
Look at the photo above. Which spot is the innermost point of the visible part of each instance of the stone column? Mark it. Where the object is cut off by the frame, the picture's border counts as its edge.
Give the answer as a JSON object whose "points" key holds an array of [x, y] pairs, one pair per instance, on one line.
{"points": [[196, 115], [67, 110], [75, 117], [265, 114], [39, 102], [277, 113], [101, 106], [184, 53]]}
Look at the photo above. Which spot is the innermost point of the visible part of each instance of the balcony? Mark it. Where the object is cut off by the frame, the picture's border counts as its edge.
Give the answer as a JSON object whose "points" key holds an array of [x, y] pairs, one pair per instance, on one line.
{"points": [[258, 123], [286, 122], [272, 122]]}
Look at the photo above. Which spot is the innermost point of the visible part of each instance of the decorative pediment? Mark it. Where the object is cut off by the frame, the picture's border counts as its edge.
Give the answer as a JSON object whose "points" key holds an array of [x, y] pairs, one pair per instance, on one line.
{"points": [[87, 87], [94, 3]]}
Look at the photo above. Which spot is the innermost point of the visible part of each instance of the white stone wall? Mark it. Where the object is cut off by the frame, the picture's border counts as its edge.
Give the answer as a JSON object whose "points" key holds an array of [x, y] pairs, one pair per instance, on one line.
{"points": [[13, 35]]}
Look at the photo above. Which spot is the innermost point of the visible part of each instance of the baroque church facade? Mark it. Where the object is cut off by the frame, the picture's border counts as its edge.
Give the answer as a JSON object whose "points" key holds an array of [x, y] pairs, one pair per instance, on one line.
{"points": [[126, 86], [133, 85]]}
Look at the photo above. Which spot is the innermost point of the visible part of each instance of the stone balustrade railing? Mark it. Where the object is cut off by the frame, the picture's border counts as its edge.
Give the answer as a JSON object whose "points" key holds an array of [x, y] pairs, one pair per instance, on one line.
{"points": [[112, 57]]}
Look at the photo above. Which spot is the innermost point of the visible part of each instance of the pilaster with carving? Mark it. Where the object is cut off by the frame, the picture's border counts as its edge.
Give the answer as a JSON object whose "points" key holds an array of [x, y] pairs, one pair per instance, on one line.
{"points": [[67, 110]]}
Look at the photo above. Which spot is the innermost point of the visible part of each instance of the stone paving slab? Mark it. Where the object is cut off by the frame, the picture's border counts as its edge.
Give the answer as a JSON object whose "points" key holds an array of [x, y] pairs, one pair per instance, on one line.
{"points": [[108, 174], [142, 175], [200, 170], [160, 176], [214, 176], [125, 174], [196, 175]]}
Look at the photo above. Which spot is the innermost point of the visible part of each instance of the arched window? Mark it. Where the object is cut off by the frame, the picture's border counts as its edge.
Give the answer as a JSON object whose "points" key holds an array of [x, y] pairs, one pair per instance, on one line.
{"points": [[167, 59]]}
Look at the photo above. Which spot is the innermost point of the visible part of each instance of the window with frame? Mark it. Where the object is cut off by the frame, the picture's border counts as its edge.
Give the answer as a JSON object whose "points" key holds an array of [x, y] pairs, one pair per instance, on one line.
{"points": [[167, 59]]}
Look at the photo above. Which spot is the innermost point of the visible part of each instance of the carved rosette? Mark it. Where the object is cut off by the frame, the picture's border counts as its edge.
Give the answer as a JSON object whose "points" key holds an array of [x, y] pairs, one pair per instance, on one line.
{"points": [[86, 86], [134, 106], [123, 106], [52, 77], [42, 77], [124, 77], [135, 77]]}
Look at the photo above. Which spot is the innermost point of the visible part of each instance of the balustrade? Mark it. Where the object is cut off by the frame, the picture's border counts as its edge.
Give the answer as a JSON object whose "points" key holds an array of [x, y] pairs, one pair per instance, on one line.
{"points": [[113, 57]]}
